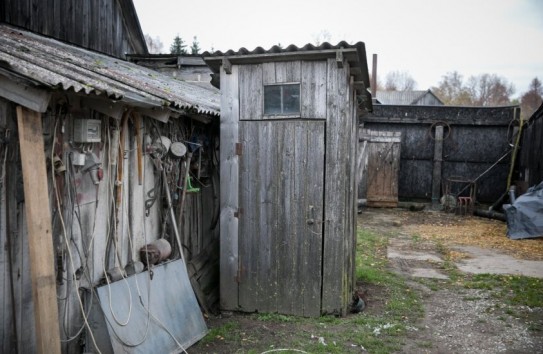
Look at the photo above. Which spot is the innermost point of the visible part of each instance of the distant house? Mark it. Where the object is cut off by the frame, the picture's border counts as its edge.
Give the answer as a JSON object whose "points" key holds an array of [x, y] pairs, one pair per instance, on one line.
{"points": [[408, 98], [186, 67]]}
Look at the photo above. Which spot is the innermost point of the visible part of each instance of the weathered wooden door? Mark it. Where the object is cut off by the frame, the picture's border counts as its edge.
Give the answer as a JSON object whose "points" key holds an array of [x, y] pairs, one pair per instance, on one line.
{"points": [[383, 149], [281, 211]]}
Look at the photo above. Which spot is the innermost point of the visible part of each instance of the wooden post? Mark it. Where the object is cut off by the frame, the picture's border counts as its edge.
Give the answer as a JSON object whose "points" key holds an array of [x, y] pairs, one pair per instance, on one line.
{"points": [[40, 243], [438, 161]]}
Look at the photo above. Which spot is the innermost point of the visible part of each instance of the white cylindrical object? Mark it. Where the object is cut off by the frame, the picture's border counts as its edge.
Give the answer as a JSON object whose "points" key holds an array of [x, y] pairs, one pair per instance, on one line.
{"points": [[178, 149]]}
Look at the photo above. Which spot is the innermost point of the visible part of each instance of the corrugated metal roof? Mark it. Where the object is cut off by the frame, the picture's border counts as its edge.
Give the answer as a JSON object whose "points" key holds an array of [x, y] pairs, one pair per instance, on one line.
{"points": [[60, 66], [354, 54], [399, 97], [405, 98], [358, 62]]}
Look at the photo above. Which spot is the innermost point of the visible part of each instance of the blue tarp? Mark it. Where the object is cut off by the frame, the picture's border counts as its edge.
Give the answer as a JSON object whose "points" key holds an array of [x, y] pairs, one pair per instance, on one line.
{"points": [[525, 215]]}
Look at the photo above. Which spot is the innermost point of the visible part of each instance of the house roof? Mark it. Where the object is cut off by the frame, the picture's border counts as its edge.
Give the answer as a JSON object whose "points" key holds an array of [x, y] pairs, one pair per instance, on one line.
{"points": [[168, 60], [354, 54], [51, 64], [402, 97]]}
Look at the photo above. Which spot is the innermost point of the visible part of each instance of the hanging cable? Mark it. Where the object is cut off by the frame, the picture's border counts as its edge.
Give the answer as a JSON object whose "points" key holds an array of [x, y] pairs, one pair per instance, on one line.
{"points": [[68, 248]]}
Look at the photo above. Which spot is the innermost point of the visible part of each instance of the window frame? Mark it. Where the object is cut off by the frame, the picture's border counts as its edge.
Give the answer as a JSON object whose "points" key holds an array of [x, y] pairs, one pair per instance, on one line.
{"points": [[282, 114]]}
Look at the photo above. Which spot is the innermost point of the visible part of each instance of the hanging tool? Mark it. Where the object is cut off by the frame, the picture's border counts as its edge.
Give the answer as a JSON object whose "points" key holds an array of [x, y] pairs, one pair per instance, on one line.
{"points": [[190, 188], [172, 215], [139, 145], [185, 184]]}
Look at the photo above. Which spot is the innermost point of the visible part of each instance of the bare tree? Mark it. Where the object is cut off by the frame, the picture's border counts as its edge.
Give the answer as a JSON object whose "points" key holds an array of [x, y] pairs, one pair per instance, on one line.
{"points": [[481, 90], [321, 37], [380, 85], [452, 91], [532, 99], [489, 90], [154, 44], [399, 81]]}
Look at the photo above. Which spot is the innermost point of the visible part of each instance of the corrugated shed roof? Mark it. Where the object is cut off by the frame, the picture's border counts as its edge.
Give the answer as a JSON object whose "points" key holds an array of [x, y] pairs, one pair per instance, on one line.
{"points": [[59, 66], [402, 97], [354, 54]]}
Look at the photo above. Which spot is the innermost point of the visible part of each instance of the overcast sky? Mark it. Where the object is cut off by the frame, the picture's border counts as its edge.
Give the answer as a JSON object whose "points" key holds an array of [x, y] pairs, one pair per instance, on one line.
{"points": [[426, 38]]}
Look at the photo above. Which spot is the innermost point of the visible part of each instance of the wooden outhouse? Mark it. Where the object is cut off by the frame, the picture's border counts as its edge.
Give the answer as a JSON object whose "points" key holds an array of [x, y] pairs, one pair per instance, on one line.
{"points": [[289, 120]]}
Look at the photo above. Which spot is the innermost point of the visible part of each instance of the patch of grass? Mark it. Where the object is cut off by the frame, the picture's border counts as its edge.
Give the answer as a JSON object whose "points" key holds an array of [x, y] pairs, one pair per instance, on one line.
{"points": [[228, 331], [276, 317], [513, 289], [380, 329]]}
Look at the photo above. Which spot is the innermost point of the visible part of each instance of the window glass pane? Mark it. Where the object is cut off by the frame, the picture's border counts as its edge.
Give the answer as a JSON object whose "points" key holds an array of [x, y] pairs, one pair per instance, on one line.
{"points": [[291, 99], [272, 99]]}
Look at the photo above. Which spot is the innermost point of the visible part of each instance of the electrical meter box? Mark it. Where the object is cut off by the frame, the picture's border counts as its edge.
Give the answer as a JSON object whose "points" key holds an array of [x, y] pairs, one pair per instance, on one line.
{"points": [[87, 130]]}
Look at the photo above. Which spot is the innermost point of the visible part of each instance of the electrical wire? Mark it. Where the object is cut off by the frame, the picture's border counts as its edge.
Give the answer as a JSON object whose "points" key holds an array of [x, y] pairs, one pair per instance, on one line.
{"points": [[68, 248]]}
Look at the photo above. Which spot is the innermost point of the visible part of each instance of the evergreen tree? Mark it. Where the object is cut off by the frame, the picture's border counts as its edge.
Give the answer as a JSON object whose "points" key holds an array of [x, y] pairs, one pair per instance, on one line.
{"points": [[178, 46], [195, 47]]}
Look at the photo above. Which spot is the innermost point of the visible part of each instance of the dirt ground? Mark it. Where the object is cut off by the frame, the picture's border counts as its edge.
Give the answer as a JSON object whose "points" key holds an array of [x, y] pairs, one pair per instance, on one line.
{"points": [[467, 320], [456, 319]]}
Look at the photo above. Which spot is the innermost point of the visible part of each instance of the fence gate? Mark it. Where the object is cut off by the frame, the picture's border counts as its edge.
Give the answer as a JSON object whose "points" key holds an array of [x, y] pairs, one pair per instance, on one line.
{"points": [[383, 166], [281, 230]]}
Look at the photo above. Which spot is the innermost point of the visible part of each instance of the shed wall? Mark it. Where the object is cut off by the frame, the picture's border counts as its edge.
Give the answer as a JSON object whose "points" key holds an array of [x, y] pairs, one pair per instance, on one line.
{"points": [[531, 155], [474, 139], [327, 93], [107, 26], [87, 222]]}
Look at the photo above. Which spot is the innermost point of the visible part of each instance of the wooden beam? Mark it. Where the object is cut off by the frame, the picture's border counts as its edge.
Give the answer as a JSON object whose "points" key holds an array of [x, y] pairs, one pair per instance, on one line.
{"points": [[227, 66], [40, 242], [105, 106], [339, 59], [438, 161], [29, 97], [160, 114]]}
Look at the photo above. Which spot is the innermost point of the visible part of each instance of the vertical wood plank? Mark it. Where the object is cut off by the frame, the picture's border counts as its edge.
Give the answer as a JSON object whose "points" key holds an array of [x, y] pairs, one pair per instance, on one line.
{"points": [[229, 189], [310, 164], [313, 90], [249, 235], [251, 97], [268, 73], [39, 230], [438, 161], [337, 151], [288, 71]]}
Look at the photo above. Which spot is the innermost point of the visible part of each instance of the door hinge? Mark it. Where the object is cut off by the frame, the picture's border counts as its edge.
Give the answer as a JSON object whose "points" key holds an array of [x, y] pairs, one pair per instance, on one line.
{"points": [[238, 213], [239, 149]]}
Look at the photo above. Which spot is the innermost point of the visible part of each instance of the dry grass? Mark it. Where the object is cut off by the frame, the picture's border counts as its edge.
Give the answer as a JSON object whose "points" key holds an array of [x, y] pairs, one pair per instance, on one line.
{"points": [[479, 232]]}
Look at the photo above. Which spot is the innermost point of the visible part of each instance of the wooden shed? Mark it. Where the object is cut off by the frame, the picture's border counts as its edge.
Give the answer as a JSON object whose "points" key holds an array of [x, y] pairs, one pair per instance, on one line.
{"points": [[103, 237], [289, 120]]}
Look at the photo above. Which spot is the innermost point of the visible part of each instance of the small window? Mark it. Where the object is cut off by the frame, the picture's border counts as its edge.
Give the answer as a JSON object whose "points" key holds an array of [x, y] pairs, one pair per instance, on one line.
{"points": [[282, 99]]}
